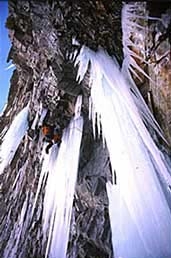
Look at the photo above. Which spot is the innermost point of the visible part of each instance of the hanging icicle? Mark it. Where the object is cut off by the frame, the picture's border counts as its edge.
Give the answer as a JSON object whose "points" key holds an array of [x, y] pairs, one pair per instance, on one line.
{"points": [[47, 165], [139, 212], [13, 137], [60, 186]]}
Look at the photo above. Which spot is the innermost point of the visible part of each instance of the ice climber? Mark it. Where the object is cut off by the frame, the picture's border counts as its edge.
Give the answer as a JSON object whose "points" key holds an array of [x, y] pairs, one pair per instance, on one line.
{"points": [[52, 135]]}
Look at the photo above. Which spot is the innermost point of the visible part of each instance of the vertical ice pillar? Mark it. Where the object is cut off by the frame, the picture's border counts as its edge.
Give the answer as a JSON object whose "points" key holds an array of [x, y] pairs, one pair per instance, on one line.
{"points": [[60, 187], [13, 138], [139, 211]]}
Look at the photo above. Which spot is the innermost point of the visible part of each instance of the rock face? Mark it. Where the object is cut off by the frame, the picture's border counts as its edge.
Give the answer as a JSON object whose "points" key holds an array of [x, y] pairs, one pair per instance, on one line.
{"points": [[160, 66], [152, 44], [43, 35]]}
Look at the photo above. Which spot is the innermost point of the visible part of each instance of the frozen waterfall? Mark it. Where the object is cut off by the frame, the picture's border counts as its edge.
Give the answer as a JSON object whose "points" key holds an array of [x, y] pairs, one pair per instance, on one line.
{"points": [[60, 169], [13, 137], [139, 212]]}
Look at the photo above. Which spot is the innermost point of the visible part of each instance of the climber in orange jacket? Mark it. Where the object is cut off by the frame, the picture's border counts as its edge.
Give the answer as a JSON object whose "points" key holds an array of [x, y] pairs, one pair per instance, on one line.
{"points": [[47, 131], [52, 135]]}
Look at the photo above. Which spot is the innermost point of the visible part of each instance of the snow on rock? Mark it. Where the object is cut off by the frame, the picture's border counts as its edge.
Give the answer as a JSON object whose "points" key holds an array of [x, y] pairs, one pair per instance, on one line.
{"points": [[13, 137], [39, 117], [139, 212]]}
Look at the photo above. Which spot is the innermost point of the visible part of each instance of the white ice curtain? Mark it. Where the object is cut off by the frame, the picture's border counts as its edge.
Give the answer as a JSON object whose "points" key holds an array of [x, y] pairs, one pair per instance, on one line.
{"points": [[139, 212]]}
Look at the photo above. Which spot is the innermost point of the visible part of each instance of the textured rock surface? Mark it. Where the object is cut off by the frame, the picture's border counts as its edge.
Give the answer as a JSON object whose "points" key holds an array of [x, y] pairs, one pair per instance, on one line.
{"points": [[160, 65], [153, 44], [41, 35]]}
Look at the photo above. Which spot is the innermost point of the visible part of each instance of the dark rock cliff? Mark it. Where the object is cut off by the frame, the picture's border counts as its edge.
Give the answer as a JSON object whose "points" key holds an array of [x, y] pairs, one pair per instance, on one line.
{"points": [[42, 35]]}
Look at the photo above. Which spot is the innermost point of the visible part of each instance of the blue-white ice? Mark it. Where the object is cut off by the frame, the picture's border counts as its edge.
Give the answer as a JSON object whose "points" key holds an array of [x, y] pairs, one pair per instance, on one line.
{"points": [[13, 137], [139, 212], [61, 168]]}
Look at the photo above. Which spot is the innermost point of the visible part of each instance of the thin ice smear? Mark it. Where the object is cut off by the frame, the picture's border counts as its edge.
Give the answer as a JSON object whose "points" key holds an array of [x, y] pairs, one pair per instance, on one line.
{"points": [[13, 137], [59, 192], [141, 223]]}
